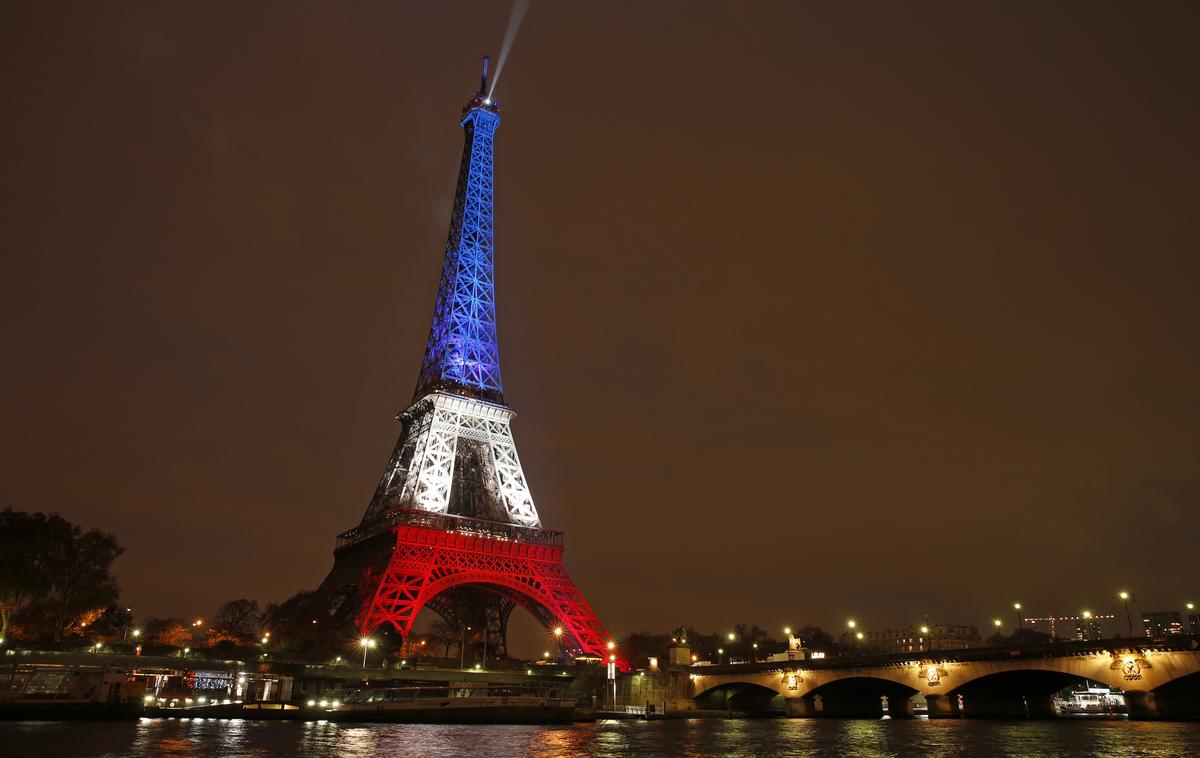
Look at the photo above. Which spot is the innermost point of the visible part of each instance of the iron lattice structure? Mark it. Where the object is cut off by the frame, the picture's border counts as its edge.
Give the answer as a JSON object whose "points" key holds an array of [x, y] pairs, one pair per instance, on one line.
{"points": [[467, 540], [428, 562], [463, 351]]}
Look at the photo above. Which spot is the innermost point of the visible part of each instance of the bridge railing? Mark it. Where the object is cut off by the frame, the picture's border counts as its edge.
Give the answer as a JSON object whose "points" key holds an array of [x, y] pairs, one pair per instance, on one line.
{"points": [[475, 527]]}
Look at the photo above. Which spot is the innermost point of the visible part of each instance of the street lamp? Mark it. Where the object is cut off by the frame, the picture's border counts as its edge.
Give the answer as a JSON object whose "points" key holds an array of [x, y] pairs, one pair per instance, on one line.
{"points": [[787, 630], [1128, 618], [720, 652], [1020, 621], [462, 649], [366, 643], [997, 623], [755, 646]]}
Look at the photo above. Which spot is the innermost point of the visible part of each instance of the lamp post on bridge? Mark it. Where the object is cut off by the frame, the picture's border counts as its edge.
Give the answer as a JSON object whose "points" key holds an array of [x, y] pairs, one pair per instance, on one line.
{"points": [[1128, 618], [366, 643]]}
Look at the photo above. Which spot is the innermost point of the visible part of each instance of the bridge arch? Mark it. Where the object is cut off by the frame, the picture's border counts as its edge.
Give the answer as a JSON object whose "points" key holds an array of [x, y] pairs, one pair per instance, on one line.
{"points": [[753, 698], [1015, 693], [860, 696]]}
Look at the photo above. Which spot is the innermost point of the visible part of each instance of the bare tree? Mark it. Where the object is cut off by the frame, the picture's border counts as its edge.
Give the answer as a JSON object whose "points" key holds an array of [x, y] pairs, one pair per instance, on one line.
{"points": [[445, 634], [238, 617]]}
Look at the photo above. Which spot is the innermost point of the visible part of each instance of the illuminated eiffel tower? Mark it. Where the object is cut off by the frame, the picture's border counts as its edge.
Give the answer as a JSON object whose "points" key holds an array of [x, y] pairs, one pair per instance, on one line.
{"points": [[452, 525]]}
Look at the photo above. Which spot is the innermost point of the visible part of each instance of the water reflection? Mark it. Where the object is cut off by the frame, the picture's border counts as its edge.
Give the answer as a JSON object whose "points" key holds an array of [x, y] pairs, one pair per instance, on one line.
{"points": [[692, 739]]}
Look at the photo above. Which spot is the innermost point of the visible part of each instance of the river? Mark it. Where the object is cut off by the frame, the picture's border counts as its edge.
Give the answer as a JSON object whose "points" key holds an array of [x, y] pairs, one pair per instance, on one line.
{"points": [[641, 739]]}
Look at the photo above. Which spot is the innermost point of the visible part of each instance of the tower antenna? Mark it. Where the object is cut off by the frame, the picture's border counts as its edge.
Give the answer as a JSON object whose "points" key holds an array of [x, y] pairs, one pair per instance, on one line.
{"points": [[483, 79]]}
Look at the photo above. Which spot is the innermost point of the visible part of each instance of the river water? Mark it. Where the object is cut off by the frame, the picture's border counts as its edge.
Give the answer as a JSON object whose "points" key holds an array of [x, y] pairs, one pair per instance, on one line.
{"points": [[641, 739]]}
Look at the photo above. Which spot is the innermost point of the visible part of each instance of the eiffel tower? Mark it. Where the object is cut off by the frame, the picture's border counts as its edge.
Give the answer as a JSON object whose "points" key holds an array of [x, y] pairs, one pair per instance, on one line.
{"points": [[452, 525]]}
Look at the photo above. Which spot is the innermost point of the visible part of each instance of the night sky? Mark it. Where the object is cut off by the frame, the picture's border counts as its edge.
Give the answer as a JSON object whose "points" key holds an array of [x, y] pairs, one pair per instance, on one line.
{"points": [[808, 311]]}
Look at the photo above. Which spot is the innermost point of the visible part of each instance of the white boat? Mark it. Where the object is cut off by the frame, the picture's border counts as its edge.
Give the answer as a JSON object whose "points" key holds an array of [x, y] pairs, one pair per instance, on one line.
{"points": [[1092, 700]]}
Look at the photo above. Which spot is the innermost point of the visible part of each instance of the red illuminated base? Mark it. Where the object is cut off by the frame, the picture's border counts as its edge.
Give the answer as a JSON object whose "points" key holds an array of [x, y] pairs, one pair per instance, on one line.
{"points": [[427, 562]]}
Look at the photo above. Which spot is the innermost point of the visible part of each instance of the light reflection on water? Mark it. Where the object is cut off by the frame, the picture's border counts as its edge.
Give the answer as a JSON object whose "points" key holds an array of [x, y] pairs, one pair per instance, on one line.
{"points": [[691, 739]]}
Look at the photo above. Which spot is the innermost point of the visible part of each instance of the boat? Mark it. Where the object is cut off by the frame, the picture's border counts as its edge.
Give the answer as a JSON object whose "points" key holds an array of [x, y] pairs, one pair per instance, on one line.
{"points": [[452, 703], [1093, 700]]}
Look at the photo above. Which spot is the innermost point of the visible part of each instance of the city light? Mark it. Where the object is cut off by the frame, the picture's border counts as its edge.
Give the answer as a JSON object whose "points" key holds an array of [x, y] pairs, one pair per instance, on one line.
{"points": [[858, 635], [924, 630], [612, 645], [997, 623], [1016, 606], [558, 631], [545, 653], [851, 623], [731, 636], [787, 630], [1087, 614], [1123, 595], [137, 632]]}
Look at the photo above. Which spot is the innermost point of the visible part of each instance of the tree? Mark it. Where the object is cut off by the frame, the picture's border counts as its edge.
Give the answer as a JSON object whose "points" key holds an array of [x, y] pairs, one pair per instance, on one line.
{"points": [[238, 618], [174, 634], [114, 621], [445, 634], [47, 559], [815, 638], [80, 569], [24, 553]]}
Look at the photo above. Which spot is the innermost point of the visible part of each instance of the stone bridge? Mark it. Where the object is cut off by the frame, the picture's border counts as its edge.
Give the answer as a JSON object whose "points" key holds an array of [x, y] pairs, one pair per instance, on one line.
{"points": [[1159, 681]]}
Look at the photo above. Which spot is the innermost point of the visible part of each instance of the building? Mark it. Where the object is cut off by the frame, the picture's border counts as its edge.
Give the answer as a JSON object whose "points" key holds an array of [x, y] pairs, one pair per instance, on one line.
{"points": [[920, 639], [1162, 623], [1087, 627]]}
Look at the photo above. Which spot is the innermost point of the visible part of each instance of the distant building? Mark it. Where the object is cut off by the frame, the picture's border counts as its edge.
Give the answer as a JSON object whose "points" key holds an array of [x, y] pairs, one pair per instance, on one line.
{"points": [[921, 639], [1162, 623], [1088, 628]]}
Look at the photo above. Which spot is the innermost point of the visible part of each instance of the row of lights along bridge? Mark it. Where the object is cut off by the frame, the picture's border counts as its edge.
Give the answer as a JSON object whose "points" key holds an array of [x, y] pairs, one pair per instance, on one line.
{"points": [[1087, 627]]}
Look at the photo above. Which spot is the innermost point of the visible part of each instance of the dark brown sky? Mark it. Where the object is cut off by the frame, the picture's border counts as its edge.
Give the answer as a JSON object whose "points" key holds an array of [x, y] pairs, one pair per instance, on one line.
{"points": [[879, 309]]}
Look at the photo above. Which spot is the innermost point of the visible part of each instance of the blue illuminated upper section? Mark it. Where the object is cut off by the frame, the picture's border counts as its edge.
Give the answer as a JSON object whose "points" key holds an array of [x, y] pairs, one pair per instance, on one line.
{"points": [[463, 353]]}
